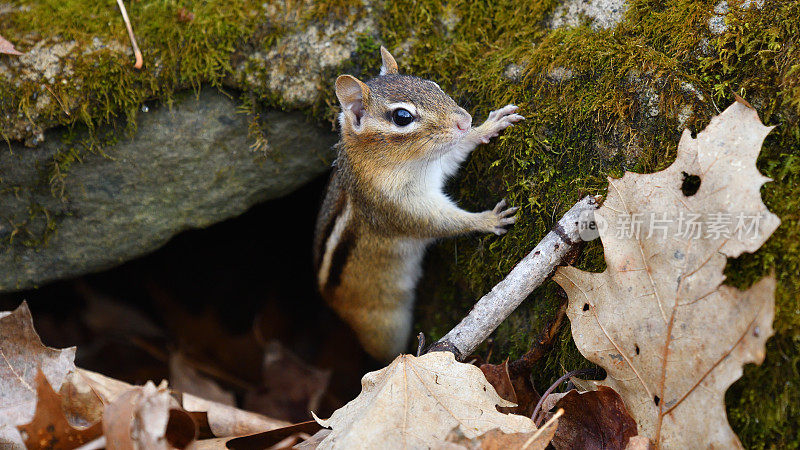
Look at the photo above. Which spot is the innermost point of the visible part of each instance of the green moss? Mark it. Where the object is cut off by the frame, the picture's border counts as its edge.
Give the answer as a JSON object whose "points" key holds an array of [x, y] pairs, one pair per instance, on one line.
{"points": [[596, 124]]}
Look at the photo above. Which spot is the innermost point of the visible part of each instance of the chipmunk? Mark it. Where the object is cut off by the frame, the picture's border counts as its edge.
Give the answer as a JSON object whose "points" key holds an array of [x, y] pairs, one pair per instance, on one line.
{"points": [[401, 138]]}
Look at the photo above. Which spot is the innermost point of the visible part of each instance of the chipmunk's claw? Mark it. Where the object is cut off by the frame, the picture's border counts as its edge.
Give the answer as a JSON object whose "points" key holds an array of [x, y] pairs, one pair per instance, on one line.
{"points": [[501, 217], [498, 121]]}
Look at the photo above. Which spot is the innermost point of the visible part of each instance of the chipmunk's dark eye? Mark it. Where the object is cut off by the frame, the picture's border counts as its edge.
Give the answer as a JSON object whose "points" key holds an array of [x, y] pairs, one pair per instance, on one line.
{"points": [[402, 117]]}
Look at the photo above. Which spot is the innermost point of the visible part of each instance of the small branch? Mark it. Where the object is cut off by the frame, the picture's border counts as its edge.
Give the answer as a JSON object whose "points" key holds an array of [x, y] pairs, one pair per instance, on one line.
{"points": [[490, 311], [136, 52]]}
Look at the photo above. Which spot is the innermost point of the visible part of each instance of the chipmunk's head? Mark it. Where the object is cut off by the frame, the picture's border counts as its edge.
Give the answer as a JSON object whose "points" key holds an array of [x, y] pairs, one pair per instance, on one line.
{"points": [[396, 118]]}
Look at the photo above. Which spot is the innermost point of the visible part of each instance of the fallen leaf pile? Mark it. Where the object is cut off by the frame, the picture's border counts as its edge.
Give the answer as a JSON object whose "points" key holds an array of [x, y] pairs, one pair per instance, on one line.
{"points": [[47, 402], [671, 337]]}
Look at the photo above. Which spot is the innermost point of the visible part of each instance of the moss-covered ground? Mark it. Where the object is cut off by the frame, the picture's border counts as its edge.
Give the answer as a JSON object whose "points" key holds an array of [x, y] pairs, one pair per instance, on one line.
{"points": [[598, 122]]}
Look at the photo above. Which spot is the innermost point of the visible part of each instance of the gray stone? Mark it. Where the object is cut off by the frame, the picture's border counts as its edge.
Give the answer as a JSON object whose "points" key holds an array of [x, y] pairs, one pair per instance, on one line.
{"points": [[185, 167]]}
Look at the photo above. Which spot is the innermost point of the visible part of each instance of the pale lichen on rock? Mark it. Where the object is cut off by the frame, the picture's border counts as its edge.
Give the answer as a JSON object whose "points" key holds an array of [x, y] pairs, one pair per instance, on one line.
{"points": [[602, 14], [294, 68]]}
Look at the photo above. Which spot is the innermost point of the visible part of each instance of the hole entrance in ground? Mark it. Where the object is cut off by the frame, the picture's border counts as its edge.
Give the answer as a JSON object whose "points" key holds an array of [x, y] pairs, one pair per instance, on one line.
{"points": [[218, 296]]}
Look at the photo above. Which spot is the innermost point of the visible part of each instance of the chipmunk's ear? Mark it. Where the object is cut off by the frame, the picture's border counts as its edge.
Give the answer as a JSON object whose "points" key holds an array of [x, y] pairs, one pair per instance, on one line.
{"points": [[352, 95], [389, 64]]}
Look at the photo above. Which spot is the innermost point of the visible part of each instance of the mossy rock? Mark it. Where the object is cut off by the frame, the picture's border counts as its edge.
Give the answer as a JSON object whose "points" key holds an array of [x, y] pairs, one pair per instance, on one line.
{"points": [[608, 91], [82, 201]]}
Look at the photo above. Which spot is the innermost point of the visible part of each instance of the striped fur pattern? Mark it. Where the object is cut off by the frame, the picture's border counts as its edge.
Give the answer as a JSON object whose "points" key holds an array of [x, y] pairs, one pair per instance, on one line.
{"points": [[385, 201]]}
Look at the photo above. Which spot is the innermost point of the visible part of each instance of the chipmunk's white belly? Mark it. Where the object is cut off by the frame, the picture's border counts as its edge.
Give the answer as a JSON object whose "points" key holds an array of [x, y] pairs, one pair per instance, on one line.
{"points": [[411, 252]]}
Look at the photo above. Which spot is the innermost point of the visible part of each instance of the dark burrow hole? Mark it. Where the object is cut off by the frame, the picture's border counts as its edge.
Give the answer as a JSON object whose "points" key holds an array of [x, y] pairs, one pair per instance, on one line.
{"points": [[690, 184], [637, 348], [585, 306], [656, 400], [216, 295]]}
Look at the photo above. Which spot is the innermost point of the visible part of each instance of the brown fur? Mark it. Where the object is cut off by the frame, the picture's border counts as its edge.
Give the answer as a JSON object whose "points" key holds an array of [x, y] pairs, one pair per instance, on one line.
{"points": [[384, 202]]}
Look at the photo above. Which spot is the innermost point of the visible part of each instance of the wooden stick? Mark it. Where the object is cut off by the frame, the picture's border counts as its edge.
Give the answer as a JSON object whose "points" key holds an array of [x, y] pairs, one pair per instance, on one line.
{"points": [[136, 52], [493, 308]]}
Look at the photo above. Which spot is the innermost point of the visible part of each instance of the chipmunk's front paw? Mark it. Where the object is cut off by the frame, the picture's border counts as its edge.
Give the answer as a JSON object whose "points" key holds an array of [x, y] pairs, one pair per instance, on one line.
{"points": [[498, 218], [498, 121]]}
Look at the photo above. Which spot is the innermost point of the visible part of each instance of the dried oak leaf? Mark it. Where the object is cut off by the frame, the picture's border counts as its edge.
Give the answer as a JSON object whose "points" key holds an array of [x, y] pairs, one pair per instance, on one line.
{"points": [[593, 420], [415, 402], [497, 440], [672, 338], [22, 355], [7, 47], [516, 389], [147, 417], [49, 427]]}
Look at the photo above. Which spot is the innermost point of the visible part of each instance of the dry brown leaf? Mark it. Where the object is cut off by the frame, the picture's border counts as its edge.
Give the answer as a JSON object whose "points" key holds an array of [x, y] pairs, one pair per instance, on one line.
{"points": [[7, 47], [23, 354], [593, 420], [415, 402], [226, 420], [223, 420], [187, 379], [670, 337], [147, 417], [80, 402], [290, 387], [497, 440], [516, 389], [49, 427]]}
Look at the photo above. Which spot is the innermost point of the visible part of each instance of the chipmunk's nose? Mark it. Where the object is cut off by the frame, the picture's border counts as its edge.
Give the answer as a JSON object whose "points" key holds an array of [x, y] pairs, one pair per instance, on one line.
{"points": [[465, 121]]}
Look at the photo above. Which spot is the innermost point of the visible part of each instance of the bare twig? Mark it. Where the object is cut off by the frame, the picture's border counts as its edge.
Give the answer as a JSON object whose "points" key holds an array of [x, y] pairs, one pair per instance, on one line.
{"points": [[136, 52], [490, 311]]}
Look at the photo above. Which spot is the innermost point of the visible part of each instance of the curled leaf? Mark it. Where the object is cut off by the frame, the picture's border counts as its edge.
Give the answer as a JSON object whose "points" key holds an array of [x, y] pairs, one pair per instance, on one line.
{"points": [[49, 427]]}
